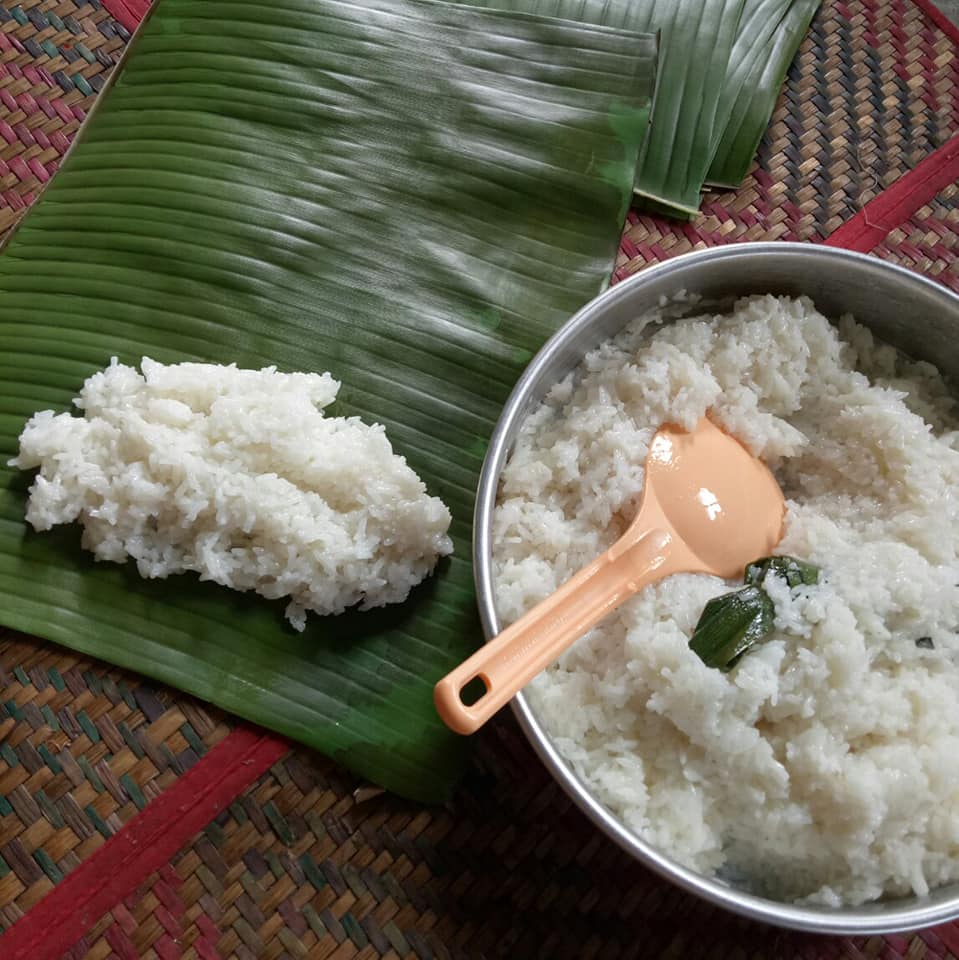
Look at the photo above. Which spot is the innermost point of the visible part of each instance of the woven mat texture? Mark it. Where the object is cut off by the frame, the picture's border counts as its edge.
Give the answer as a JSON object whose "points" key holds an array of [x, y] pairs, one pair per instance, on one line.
{"points": [[54, 58], [306, 863], [82, 749], [929, 240]]}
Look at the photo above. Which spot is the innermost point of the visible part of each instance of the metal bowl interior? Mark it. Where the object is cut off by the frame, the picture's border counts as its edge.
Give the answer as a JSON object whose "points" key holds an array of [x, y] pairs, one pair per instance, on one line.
{"points": [[916, 315]]}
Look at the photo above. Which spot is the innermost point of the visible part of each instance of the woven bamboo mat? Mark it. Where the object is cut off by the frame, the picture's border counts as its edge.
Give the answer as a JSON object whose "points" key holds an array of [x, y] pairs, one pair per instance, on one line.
{"points": [[54, 59], [306, 862], [929, 240]]}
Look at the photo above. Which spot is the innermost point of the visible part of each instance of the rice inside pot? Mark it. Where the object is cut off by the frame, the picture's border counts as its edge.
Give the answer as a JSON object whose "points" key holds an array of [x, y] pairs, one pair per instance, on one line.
{"points": [[824, 765]]}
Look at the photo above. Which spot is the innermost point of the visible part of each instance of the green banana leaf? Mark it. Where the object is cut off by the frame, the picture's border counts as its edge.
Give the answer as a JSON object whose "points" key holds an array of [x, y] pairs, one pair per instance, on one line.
{"points": [[697, 40], [722, 66], [769, 36], [409, 194], [619, 14], [697, 84]]}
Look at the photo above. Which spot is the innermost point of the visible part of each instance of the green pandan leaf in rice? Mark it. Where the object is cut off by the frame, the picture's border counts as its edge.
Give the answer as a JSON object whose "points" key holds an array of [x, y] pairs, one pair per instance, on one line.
{"points": [[730, 625], [795, 572]]}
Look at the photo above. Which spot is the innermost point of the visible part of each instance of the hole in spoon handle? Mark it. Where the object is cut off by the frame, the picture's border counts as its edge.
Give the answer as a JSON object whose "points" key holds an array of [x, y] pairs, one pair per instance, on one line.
{"points": [[511, 659]]}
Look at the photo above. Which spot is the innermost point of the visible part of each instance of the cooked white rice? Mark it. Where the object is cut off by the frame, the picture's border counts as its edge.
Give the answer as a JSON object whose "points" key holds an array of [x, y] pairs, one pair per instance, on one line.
{"points": [[826, 764], [238, 476]]}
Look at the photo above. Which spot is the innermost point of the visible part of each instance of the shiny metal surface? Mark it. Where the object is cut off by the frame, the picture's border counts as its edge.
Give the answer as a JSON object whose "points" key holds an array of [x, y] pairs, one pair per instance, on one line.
{"points": [[916, 315]]}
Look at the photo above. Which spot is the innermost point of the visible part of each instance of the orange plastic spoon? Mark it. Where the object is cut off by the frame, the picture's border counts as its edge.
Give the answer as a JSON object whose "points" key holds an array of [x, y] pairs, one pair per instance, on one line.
{"points": [[709, 506]]}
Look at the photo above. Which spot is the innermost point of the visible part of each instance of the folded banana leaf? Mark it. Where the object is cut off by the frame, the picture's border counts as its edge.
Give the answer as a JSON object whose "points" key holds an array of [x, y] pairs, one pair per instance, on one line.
{"points": [[697, 40], [411, 195], [722, 66], [769, 36]]}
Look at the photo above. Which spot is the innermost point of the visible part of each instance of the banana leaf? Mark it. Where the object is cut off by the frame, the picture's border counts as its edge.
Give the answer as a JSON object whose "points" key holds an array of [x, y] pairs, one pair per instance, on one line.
{"points": [[697, 40], [409, 194], [620, 14], [768, 38], [722, 66], [692, 79]]}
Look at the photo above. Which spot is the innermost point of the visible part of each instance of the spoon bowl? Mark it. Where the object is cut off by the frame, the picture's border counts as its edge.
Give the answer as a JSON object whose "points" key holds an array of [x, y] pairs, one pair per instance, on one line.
{"points": [[722, 502]]}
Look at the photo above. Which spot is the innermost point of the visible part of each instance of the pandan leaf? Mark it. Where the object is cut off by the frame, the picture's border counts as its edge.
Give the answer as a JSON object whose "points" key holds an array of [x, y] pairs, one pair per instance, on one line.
{"points": [[796, 573], [729, 625]]}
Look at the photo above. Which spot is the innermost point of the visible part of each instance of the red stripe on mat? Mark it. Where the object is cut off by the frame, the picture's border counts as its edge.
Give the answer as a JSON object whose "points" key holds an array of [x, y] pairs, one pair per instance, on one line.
{"points": [[939, 19], [142, 846], [898, 203], [129, 13]]}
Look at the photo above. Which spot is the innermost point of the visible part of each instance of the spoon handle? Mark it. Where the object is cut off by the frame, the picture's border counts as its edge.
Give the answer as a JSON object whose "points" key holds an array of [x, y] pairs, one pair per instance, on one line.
{"points": [[511, 659]]}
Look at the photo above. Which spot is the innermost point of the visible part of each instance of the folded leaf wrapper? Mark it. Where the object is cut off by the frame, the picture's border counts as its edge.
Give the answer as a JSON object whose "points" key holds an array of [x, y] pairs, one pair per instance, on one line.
{"points": [[697, 39], [721, 68], [411, 195], [769, 35]]}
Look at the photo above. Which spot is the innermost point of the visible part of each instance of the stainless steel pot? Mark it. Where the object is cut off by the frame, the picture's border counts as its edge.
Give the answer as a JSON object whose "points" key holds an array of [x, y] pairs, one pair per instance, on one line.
{"points": [[913, 313]]}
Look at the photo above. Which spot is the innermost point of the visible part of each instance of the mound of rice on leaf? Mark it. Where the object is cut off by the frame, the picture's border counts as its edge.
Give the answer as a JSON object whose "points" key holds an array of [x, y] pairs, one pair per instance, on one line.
{"points": [[238, 476]]}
